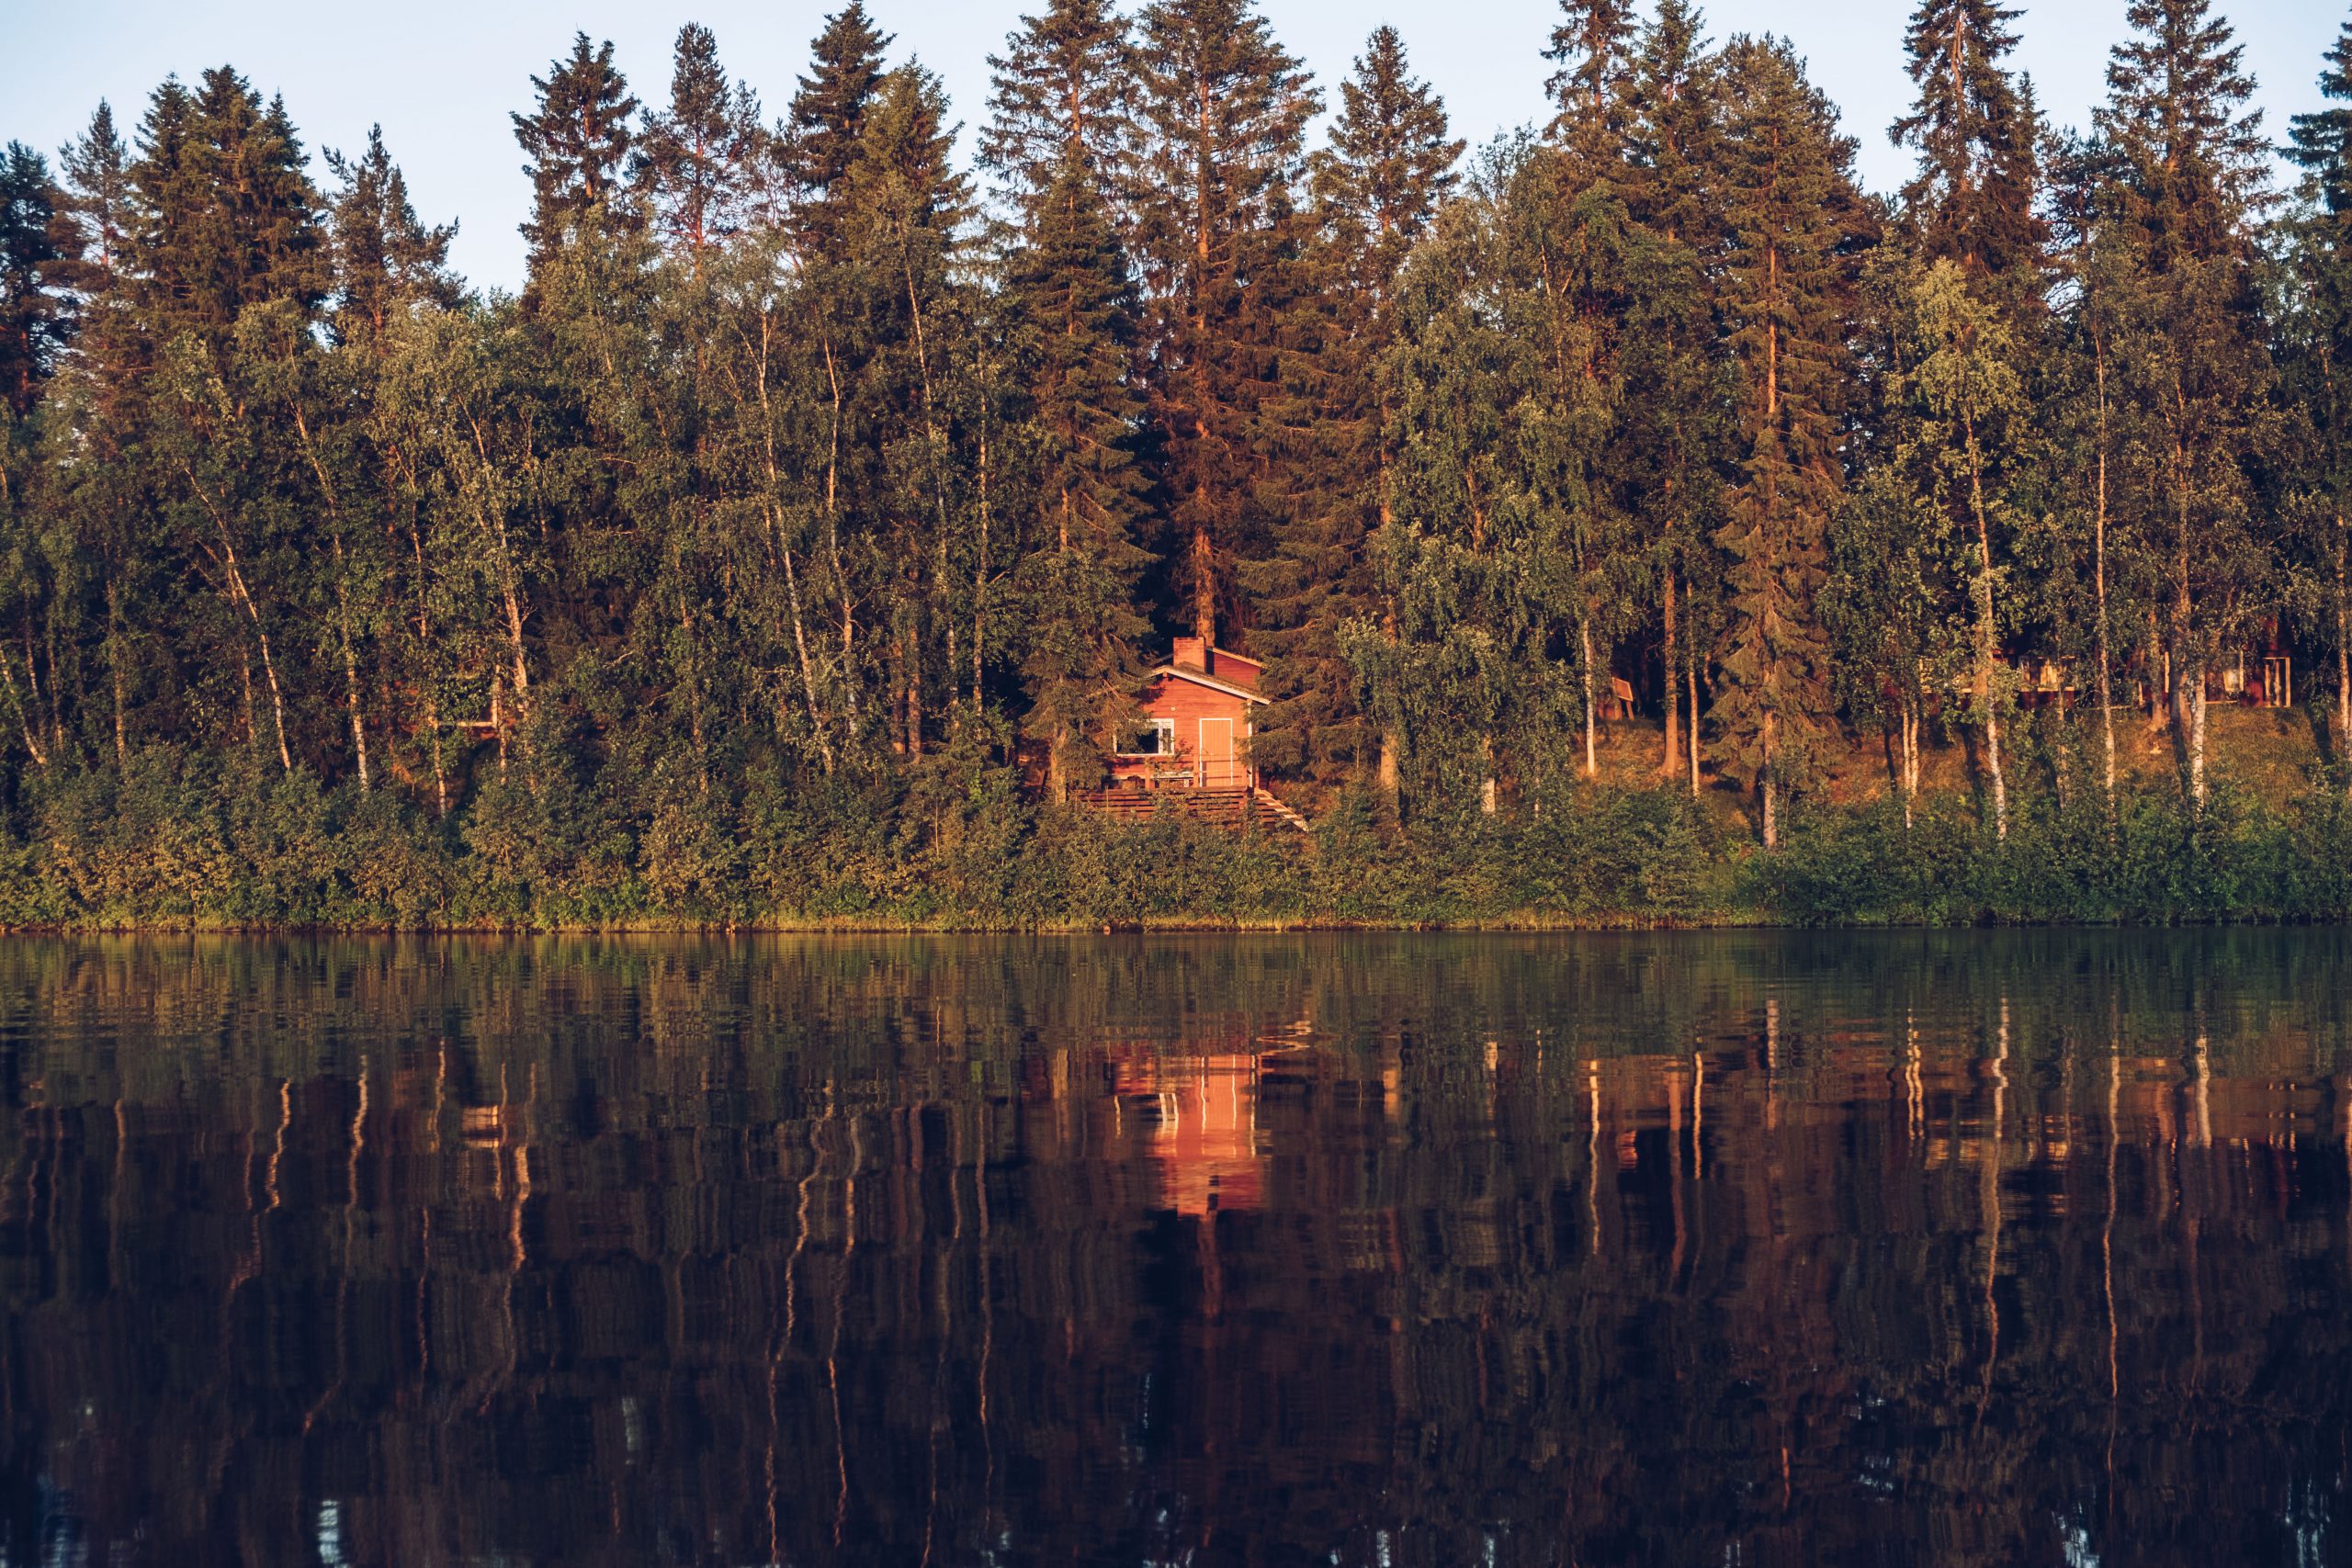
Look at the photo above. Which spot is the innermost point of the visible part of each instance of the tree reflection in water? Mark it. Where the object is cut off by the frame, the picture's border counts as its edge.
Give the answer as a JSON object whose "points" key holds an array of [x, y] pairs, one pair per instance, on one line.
{"points": [[1411, 1250]]}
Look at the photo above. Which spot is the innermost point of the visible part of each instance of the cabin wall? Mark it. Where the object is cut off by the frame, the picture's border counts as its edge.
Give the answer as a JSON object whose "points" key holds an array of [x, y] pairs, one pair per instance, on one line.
{"points": [[1187, 704]]}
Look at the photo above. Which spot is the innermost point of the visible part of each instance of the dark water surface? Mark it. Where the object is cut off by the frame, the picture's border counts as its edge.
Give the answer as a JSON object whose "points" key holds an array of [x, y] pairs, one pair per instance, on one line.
{"points": [[2003, 1248]]}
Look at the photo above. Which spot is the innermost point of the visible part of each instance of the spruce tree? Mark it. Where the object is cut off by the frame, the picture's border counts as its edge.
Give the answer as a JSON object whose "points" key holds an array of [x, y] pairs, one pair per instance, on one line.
{"points": [[2320, 143], [1220, 119], [226, 215], [1069, 314], [1376, 189], [36, 316], [1592, 44], [900, 212], [104, 503], [2190, 168], [1056, 103], [1974, 126], [97, 201], [1675, 434], [1792, 218], [578, 142], [385, 256], [2317, 328], [698, 161], [828, 112]]}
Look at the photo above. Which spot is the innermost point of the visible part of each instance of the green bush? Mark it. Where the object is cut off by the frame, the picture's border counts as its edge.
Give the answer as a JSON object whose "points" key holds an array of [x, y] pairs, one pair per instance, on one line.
{"points": [[176, 839]]}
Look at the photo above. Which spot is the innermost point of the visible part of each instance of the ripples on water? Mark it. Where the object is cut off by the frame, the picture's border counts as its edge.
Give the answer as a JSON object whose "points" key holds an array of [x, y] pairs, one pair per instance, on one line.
{"points": [[1730, 1249]]}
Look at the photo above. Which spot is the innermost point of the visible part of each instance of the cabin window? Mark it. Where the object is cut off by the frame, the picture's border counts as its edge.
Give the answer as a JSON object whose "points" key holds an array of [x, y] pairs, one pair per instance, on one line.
{"points": [[1157, 738]]}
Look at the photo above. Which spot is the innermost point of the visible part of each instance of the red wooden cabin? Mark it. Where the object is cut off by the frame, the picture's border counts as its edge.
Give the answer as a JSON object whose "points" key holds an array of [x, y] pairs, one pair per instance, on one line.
{"points": [[1197, 725]]}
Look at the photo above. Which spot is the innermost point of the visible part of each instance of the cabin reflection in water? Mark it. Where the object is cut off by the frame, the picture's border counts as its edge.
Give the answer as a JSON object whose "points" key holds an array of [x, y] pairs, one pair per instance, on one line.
{"points": [[2029, 1247], [1200, 1119]]}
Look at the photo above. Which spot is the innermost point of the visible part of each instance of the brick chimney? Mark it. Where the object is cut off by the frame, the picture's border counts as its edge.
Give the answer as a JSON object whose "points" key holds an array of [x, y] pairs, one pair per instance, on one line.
{"points": [[1192, 653]]}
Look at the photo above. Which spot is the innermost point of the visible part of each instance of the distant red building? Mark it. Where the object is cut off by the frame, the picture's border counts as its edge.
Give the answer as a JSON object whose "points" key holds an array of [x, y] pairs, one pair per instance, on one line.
{"points": [[1197, 723]]}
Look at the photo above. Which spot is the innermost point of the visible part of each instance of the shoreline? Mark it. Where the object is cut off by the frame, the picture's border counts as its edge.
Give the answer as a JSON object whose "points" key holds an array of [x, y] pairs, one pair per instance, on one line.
{"points": [[1534, 925]]}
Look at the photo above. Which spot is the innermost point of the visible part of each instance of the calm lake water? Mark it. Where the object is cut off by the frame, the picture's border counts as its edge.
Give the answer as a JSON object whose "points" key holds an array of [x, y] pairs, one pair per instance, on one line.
{"points": [[2002, 1248]]}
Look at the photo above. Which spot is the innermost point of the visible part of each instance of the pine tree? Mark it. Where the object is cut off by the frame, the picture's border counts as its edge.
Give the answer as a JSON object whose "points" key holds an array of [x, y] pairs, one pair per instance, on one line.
{"points": [[577, 141], [2190, 167], [697, 160], [1976, 131], [1070, 325], [385, 257], [828, 114], [1792, 216], [1221, 112], [36, 316]]}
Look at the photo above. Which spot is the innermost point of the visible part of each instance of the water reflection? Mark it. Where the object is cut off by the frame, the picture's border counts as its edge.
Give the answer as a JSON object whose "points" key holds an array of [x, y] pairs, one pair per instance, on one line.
{"points": [[2005, 1248]]}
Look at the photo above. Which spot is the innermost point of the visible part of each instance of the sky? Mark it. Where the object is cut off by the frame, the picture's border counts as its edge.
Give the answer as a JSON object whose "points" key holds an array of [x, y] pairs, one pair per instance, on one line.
{"points": [[441, 76]]}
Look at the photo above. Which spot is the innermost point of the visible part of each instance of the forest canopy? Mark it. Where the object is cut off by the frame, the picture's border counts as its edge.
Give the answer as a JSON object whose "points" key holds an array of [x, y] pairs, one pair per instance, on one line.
{"points": [[799, 540]]}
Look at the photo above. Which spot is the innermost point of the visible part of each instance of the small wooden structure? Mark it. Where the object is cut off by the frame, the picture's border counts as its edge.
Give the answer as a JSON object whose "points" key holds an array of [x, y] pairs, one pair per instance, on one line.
{"points": [[1193, 750], [1197, 726]]}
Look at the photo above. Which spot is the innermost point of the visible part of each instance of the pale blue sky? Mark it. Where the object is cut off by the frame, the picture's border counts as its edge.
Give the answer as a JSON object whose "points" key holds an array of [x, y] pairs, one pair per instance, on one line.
{"points": [[441, 75]]}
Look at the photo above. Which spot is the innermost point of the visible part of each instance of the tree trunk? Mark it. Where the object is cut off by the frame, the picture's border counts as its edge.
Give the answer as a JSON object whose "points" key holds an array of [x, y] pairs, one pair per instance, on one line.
{"points": [[2098, 569], [1909, 722], [24, 716], [1591, 750], [910, 664], [2342, 658], [114, 664], [2197, 787], [2189, 702], [253, 716], [807, 673], [980, 581], [350, 666], [342, 598], [277, 696], [1986, 639], [1769, 786], [440, 773], [498, 714], [833, 546], [1203, 586], [1690, 666], [1673, 703], [235, 580]]}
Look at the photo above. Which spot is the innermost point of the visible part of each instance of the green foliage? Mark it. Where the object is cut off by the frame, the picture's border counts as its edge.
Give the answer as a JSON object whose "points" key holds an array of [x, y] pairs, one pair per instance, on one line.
{"points": [[798, 544]]}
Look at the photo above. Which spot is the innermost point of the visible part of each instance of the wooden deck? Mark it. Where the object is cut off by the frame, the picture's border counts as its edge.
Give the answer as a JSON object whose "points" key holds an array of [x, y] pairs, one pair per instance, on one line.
{"points": [[1230, 807]]}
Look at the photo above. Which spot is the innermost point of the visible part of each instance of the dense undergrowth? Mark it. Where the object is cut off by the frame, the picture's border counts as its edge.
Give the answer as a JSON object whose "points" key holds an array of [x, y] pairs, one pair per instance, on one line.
{"points": [[184, 840]]}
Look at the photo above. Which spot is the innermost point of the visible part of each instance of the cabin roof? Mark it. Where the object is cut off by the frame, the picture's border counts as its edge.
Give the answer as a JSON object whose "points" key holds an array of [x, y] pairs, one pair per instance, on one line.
{"points": [[1202, 678]]}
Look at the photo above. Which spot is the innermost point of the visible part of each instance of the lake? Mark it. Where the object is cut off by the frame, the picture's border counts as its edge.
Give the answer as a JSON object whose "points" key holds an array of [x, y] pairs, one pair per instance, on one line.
{"points": [[2012, 1247]]}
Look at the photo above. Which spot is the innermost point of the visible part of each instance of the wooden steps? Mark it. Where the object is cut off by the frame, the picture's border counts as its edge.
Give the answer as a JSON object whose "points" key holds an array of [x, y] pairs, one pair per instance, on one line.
{"points": [[1226, 807]]}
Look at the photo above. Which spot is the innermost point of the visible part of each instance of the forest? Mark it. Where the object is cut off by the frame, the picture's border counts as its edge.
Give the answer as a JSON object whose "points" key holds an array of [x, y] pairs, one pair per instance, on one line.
{"points": [[1638, 519]]}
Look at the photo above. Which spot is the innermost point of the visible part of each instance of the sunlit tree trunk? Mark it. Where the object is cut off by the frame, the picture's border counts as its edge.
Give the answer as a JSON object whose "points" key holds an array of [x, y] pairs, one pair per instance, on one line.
{"points": [[1672, 756]]}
